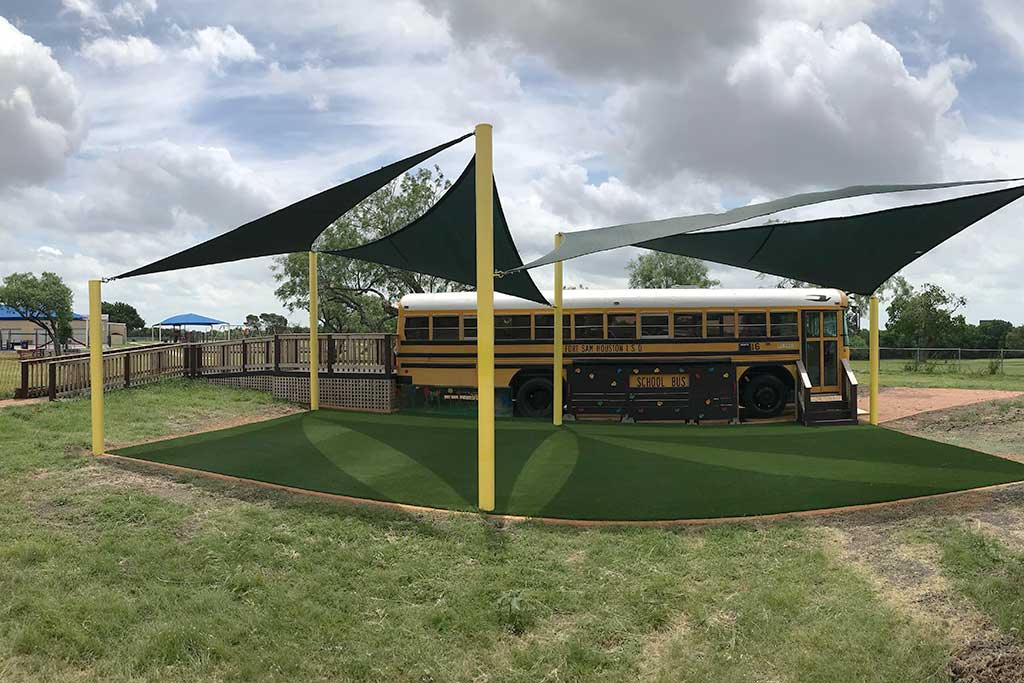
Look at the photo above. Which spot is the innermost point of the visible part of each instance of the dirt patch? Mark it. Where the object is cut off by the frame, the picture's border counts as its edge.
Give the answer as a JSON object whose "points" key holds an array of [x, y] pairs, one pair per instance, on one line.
{"points": [[994, 426], [12, 402], [987, 662], [656, 646], [907, 573], [895, 403]]}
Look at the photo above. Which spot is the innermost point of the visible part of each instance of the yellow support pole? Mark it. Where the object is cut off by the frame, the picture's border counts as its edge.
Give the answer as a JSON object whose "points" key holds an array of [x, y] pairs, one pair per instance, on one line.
{"points": [[485, 316], [314, 337], [96, 364], [873, 410], [559, 344]]}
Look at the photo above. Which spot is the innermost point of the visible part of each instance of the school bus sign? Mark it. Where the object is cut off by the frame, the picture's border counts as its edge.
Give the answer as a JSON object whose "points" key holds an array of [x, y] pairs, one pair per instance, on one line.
{"points": [[659, 381]]}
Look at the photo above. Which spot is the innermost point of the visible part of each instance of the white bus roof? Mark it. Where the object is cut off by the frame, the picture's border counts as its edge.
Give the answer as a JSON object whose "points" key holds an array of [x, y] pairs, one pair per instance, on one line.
{"points": [[636, 298]]}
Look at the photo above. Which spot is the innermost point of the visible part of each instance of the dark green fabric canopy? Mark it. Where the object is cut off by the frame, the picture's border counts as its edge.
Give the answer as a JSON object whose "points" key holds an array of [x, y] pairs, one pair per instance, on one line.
{"points": [[853, 253], [442, 243], [584, 242], [293, 228]]}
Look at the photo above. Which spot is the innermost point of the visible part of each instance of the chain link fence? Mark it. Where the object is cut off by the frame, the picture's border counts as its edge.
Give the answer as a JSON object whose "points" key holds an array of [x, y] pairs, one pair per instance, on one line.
{"points": [[978, 362]]}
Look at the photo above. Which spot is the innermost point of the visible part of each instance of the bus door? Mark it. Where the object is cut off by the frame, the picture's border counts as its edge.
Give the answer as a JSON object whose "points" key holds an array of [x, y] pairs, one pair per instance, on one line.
{"points": [[820, 352]]}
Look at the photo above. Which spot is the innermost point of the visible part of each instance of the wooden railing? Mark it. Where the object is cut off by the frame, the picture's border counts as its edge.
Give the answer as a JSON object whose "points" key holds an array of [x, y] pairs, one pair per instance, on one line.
{"points": [[340, 354], [36, 373], [849, 388], [803, 392]]}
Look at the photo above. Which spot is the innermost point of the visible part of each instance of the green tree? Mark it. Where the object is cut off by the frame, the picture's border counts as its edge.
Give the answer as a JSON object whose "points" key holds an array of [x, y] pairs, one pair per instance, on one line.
{"points": [[660, 270], [926, 317], [43, 300], [267, 323], [356, 296], [120, 312], [991, 334], [1015, 338]]}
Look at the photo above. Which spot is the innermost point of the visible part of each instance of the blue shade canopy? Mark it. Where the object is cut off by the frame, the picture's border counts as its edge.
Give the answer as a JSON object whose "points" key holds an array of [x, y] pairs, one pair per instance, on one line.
{"points": [[191, 319]]}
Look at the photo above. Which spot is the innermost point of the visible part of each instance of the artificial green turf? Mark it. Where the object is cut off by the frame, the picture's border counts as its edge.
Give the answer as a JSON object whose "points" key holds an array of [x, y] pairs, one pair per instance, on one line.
{"points": [[587, 471]]}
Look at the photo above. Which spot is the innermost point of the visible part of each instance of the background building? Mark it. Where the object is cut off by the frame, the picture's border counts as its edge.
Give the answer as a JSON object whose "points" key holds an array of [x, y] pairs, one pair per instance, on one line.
{"points": [[16, 331]]}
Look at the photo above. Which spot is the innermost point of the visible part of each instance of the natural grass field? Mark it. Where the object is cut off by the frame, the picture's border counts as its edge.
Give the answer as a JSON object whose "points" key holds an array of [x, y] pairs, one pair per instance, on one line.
{"points": [[970, 374], [10, 376], [113, 573], [587, 470]]}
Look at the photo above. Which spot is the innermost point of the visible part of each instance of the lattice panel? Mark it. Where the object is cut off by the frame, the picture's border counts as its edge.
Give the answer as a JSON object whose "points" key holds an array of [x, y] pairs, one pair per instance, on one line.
{"points": [[354, 393], [377, 395], [257, 382]]}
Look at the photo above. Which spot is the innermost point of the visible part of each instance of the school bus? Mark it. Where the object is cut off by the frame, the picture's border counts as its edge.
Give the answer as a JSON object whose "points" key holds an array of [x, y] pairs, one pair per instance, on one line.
{"points": [[763, 332]]}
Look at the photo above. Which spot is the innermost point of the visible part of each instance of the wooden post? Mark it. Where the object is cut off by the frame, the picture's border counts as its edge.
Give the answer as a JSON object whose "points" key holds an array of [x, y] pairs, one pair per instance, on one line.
{"points": [[245, 356], [96, 365], [23, 392], [559, 345], [485, 316], [127, 360], [53, 381], [277, 353], [314, 339], [873, 335]]}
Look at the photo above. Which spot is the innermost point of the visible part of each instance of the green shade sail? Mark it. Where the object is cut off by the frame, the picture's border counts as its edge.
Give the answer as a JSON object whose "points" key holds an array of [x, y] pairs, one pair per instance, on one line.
{"points": [[854, 253], [442, 243], [293, 228]]}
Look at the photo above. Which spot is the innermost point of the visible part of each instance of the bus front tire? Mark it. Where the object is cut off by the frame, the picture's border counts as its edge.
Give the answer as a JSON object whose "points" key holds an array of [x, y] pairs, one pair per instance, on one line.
{"points": [[534, 397], [764, 396]]}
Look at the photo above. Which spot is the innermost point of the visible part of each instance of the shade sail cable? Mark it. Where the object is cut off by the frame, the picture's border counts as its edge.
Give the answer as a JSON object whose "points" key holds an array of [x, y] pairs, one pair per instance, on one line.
{"points": [[293, 228], [442, 243], [583, 242]]}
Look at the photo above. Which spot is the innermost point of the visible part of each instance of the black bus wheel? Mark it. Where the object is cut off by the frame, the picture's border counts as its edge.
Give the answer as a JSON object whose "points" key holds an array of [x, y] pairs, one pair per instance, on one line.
{"points": [[764, 396], [534, 397]]}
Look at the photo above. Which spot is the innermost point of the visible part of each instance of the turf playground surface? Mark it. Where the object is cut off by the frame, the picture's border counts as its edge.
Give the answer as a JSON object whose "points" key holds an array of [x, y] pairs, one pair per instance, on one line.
{"points": [[587, 471]]}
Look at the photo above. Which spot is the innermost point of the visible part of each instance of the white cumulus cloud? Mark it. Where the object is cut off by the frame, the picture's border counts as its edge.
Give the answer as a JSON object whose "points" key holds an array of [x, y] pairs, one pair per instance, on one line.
{"points": [[131, 51], [215, 45], [134, 11], [802, 107], [41, 122]]}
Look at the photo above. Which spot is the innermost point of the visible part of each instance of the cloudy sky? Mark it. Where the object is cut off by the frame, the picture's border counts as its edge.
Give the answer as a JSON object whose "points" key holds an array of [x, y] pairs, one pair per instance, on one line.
{"points": [[130, 129]]}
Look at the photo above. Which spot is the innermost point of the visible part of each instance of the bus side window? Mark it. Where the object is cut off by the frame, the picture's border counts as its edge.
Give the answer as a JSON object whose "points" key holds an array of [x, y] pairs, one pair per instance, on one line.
{"points": [[446, 327], [544, 326], [469, 327], [751, 324], [784, 324], [721, 324], [589, 325], [688, 326], [622, 325], [512, 327], [654, 325], [417, 327]]}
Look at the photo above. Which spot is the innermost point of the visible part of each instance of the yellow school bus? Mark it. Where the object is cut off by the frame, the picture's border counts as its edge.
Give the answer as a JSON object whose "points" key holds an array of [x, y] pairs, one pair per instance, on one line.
{"points": [[761, 332]]}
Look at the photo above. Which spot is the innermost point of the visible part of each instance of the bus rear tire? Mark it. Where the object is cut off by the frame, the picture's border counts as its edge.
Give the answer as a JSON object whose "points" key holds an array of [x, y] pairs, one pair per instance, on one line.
{"points": [[534, 397], [764, 396]]}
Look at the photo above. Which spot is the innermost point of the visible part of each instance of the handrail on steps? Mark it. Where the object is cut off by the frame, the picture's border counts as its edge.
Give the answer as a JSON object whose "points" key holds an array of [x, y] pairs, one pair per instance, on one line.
{"points": [[803, 394]]}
